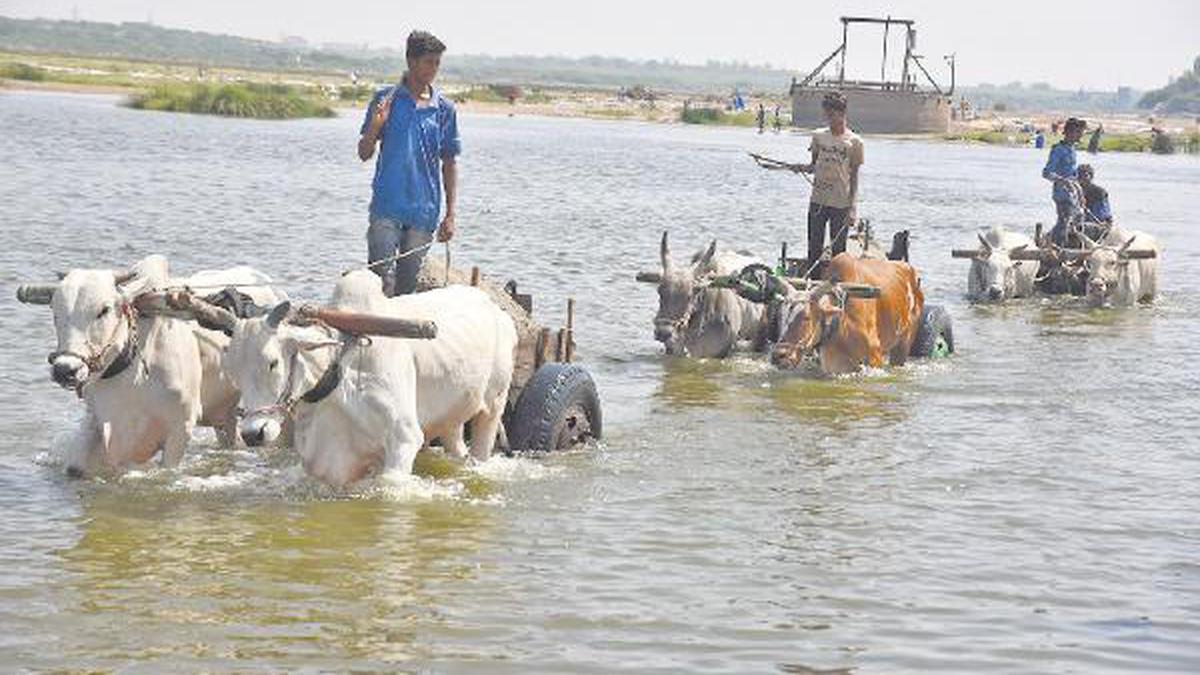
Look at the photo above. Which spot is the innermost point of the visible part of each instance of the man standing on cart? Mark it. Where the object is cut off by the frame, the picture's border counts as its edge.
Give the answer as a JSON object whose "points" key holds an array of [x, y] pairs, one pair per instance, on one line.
{"points": [[1061, 170], [837, 154], [416, 129]]}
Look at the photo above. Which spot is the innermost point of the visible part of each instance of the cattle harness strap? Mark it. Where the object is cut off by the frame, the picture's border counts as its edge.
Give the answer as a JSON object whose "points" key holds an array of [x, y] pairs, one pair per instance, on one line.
{"points": [[95, 362]]}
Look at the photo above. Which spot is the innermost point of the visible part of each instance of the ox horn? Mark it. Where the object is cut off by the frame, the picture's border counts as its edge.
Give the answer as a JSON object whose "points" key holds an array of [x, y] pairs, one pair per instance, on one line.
{"points": [[1124, 250], [1087, 241], [36, 294], [664, 252], [987, 247], [279, 313], [708, 254]]}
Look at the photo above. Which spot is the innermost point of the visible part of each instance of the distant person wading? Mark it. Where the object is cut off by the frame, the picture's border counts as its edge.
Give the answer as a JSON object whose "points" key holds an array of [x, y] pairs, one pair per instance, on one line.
{"points": [[417, 132]]}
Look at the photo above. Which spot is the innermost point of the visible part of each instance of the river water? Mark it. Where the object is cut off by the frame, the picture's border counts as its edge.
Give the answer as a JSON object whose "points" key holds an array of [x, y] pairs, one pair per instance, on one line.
{"points": [[1027, 505]]}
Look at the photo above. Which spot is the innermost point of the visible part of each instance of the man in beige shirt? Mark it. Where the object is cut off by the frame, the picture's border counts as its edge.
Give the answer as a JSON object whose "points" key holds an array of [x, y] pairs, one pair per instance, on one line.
{"points": [[837, 153]]}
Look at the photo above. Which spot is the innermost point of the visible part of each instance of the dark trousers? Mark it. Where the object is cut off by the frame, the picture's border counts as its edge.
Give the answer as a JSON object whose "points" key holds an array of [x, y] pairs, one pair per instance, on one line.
{"points": [[819, 216]]}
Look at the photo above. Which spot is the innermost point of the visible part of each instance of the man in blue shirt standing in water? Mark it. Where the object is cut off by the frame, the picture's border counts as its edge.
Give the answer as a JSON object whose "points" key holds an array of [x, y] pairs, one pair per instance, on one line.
{"points": [[417, 131]]}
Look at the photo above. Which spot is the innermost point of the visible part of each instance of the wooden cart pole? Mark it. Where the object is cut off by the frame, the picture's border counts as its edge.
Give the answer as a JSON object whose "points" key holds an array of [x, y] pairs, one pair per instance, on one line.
{"points": [[541, 354], [569, 352], [475, 275]]}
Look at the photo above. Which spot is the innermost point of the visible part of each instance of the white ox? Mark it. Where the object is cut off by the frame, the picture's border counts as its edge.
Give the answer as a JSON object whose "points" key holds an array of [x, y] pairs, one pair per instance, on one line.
{"points": [[358, 406], [697, 320], [146, 380], [994, 275], [1122, 269]]}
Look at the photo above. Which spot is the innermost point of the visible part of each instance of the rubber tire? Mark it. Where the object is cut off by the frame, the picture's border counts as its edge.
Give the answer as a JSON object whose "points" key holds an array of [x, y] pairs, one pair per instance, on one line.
{"points": [[935, 323], [555, 396]]}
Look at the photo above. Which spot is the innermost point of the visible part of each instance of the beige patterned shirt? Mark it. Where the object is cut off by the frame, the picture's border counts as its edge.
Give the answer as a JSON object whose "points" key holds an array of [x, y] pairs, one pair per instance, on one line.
{"points": [[836, 157]]}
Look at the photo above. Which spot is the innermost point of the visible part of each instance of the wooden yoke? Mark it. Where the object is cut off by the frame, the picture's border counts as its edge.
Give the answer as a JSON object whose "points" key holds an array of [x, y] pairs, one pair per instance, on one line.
{"points": [[370, 324]]}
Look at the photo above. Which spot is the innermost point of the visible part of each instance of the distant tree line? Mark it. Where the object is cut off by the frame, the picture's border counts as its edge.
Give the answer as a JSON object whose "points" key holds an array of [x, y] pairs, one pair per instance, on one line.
{"points": [[1181, 96]]}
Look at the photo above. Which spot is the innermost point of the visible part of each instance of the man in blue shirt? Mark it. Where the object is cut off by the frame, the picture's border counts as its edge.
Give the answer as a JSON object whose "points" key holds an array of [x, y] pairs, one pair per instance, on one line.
{"points": [[1060, 169], [417, 132]]}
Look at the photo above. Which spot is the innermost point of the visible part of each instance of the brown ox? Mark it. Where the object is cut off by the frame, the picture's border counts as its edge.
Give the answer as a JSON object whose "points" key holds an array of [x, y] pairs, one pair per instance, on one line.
{"points": [[847, 332]]}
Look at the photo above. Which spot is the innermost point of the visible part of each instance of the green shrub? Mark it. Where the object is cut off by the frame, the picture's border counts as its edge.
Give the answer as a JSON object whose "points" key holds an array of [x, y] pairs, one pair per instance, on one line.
{"points": [[717, 116], [22, 71], [253, 100]]}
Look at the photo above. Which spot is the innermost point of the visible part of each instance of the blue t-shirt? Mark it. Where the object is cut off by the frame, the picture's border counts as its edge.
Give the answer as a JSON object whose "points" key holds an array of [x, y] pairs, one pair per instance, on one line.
{"points": [[1060, 163], [408, 172]]}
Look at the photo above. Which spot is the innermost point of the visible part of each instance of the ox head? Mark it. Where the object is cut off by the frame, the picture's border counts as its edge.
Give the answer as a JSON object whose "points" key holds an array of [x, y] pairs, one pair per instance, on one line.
{"points": [[1107, 266], [273, 359], [993, 273], [93, 318], [807, 324], [681, 291]]}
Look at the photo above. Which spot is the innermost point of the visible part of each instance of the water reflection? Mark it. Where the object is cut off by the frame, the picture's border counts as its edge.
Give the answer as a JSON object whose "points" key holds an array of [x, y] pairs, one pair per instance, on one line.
{"points": [[837, 403], [303, 582]]}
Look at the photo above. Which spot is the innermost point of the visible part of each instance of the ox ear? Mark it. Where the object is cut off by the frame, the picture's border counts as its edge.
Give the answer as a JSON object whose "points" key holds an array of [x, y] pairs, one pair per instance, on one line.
{"points": [[664, 253], [279, 313]]}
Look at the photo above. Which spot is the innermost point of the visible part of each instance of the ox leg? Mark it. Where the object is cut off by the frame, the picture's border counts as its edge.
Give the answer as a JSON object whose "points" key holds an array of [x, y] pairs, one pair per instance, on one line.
{"points": [[899, 354], [484, 428], [454, 444], [402, 446], [227, 431], [176, 443], [83, 451], [874, 353]]}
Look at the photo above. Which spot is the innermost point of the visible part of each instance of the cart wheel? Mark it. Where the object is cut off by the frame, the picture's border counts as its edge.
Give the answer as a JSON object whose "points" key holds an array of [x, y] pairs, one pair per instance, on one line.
{"points": [[558, 408], [935, 336]]}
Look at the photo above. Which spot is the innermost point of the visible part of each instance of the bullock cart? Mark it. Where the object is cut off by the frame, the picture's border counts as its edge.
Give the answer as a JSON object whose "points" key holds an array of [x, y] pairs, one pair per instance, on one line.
{"points": [[553, 403], [1060, 270]]}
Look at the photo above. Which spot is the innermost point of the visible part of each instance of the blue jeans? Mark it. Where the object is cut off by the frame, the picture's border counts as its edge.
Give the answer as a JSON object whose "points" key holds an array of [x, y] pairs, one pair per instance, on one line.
{"points": [[387, 238]]}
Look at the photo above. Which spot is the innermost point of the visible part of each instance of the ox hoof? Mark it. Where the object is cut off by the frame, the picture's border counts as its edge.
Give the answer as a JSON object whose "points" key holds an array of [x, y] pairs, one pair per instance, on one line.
{"points": [[75, 473]]}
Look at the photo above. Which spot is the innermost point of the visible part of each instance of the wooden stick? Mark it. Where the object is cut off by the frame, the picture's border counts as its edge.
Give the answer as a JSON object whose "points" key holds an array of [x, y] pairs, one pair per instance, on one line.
{"points": [[965, 253], [541, 356], [475, 275], [570, 350]]}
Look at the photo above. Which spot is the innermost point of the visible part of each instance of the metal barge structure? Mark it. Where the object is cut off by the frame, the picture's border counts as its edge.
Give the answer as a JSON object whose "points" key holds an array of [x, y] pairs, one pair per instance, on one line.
{"points": [[879, 106]]}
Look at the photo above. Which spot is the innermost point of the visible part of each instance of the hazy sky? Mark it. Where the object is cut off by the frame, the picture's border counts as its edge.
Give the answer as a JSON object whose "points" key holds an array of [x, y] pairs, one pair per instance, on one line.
{"points": [[1067, 43]]}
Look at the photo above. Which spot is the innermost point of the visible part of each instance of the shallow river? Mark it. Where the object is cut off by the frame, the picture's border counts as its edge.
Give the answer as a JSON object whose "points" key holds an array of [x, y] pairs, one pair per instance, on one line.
{"points": [[1027, 505]]}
